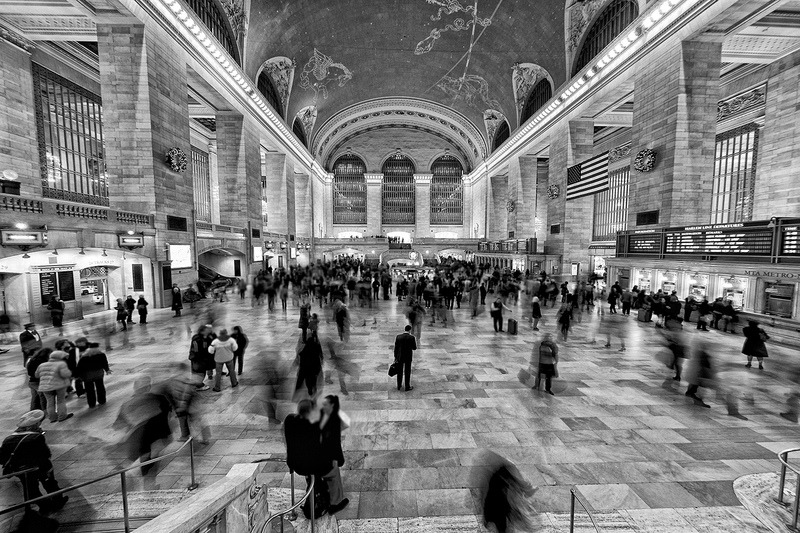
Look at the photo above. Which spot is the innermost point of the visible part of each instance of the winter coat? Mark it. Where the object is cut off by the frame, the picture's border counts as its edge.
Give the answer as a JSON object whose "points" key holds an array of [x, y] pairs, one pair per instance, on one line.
{"points": [[93, 365], [54, 374], [223, 350], [753, 344]]}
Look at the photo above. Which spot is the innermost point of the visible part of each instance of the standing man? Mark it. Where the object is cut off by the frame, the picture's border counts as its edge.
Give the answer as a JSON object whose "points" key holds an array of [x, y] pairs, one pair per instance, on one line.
{"points": [[27, 448], [404, 346], [627, 301], [30, 341], [177, 299], [548, 359]]}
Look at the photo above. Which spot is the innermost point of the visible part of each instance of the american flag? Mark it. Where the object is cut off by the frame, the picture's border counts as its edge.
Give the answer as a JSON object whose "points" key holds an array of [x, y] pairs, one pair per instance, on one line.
{"points": [[588, 178]]}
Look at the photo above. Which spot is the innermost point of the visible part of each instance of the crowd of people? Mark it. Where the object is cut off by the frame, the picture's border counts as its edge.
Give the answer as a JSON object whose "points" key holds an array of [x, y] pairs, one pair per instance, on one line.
{"points": [[337, 290]]}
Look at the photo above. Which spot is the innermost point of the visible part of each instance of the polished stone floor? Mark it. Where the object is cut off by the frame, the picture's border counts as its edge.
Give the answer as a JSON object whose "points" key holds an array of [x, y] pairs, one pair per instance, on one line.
{"points": [[618, 428]]}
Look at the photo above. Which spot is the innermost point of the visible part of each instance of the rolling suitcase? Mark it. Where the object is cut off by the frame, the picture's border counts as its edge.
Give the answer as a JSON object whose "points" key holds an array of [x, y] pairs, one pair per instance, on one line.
{"points": [[512, 326], [645, 315]]}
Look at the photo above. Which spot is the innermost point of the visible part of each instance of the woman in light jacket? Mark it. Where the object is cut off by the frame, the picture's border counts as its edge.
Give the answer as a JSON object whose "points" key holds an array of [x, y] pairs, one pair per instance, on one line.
{"points": [[54, 378], [223, 348]]}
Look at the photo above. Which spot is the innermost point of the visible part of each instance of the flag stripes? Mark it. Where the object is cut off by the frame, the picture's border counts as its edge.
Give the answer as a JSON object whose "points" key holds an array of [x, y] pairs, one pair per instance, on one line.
{"points": [[588, 178]]}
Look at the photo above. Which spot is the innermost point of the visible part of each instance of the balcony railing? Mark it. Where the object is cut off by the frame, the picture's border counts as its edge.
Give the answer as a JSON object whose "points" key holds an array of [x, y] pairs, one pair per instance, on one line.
{"points": [[47, 206]]}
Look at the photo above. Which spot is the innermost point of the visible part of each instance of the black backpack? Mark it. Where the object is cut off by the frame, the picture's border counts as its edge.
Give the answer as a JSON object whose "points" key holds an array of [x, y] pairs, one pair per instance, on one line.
{"points": [[322, 499]]}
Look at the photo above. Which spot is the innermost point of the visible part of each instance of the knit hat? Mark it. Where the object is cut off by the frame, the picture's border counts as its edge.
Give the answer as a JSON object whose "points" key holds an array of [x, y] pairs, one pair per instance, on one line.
{"points": [[223, 335], [58, 355], [31, 418]]}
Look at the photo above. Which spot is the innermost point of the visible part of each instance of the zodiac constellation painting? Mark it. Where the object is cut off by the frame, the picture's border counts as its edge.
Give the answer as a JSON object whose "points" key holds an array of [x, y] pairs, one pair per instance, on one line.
{"points": [[320, 71], [448, 7], [471, 89]]}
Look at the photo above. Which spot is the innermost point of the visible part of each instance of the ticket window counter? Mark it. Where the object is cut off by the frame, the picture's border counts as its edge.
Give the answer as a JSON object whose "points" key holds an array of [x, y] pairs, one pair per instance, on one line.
{"points": [[644, 281], [779, 298], [698, 286], [735, 290], [669, 282]]}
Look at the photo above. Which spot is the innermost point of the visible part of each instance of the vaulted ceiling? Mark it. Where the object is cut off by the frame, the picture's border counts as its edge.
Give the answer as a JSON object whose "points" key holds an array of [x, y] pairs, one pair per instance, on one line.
{"points": [[452, 58]]}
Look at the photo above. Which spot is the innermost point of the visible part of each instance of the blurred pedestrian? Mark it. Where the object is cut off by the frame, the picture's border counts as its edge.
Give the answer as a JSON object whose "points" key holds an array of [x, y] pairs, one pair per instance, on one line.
{"points": [[564, 319], [331, 426], [506, 503], [141, 307], [54, 378], [27, 448], [56, 308], [29, 341], [187, 408], [310, 367], [145, 417], [202, 361], [754, 338], [305, 312], [546, 364], [122, 314], [223, 348], [497, 314], [241, 345], [38, 399], [92, 368], [130, 306]]}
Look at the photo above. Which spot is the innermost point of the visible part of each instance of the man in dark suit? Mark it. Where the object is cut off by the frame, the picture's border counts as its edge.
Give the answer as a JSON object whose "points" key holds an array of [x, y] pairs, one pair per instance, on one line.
{"points": [[404, 346], [30, 341]]}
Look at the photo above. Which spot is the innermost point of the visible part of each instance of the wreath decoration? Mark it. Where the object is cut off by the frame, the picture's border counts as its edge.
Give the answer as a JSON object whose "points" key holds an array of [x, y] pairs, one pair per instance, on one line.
{"points": [[510, 206], [645, 160], [553, 192], [177, 160]]}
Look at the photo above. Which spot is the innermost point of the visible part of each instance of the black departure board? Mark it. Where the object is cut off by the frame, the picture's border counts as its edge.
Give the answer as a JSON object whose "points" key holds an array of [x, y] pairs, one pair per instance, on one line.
{"points": [[645, 243], [790, 243], [66, 286], [47, 284], [719, 242]]}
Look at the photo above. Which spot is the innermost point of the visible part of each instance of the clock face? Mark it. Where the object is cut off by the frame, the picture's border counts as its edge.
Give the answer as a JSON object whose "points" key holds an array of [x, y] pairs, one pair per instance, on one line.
{"points": [[553, 191]]}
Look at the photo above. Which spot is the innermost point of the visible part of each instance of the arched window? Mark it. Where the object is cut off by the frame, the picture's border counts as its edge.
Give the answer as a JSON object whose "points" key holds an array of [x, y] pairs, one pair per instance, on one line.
{"points": [[267, 88], [211, 13], [349, 190], [398, 191], [447, 192], [299, 132], [612, 21], [539, 95], [501, 135]]}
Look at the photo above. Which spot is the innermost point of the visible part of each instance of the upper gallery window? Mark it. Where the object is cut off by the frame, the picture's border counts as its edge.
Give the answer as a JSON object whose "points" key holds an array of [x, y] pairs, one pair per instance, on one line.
{"points": [[447, 192], [349, 190], [612, 21]]}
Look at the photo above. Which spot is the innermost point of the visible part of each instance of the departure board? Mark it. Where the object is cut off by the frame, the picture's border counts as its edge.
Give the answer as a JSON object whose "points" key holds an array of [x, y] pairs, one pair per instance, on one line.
{"points": [[790, 243], [645, 243], [720, 242]]}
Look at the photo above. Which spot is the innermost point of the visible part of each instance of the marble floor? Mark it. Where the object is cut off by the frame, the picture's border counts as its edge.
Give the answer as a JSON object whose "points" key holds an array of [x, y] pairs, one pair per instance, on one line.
{"points": [[618, 428]]}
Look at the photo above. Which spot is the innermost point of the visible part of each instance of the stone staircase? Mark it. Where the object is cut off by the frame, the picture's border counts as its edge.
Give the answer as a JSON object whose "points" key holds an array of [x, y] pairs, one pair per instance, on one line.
{"points": [[279, 498]]}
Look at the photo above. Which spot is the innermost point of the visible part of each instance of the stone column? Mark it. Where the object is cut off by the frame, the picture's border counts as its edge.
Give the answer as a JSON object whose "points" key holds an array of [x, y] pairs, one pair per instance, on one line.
{"points": [[19, 150], [213, 175], [675, 114], [239, 166], [422, 205], [522, 191], [303, 204], [277, 216], [145, 114], [497, 215], [570, 144], [467, 225], [374, 203], [327, 198]]}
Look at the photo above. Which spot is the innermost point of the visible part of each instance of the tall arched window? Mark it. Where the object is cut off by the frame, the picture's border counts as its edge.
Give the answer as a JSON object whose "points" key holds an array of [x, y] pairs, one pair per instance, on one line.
{"points": [[612, 21], [398, 191], [299, 132], [447, 192], [267, 88], [539, 95], [501, 135], [349, 190]]}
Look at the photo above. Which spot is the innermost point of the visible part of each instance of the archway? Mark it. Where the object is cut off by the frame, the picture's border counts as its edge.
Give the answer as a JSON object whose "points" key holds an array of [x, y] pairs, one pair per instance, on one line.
{"points": [[214, 264]]}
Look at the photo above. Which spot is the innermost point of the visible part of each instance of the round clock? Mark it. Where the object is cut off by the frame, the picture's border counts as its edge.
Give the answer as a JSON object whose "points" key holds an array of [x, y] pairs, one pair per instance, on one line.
{"points": [[645, 160], [510, 206], [553, 192], [412, 255]]}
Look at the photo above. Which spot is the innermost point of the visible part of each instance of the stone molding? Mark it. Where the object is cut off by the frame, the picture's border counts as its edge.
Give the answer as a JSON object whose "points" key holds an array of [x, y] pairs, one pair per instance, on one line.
{"points": [[423, 179], [408, 110], [14, 38], [620, 152], [372, 178], [742, 102], [492, 120]]}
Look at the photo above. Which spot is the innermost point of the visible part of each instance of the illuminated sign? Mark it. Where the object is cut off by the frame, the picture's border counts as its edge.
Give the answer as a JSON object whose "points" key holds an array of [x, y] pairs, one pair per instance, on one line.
{"points": [[181, 256]]}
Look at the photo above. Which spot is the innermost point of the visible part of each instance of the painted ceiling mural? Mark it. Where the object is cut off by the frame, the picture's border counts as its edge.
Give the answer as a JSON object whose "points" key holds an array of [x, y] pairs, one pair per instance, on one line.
{"points": [[320, 71], [455, 53]]}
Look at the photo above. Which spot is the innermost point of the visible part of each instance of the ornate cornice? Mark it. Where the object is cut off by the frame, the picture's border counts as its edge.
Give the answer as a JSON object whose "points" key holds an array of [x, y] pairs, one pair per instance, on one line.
{"points": [[372, 178], [16, 39], [401, 112], [741, 102], [620, 152], [423, 179]]}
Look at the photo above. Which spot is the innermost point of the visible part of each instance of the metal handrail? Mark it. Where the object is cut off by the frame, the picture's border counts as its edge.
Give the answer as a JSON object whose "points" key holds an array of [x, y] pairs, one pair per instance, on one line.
{"points": [[123, 481], [20, 473], [24, 475], [574, 496], [294, 506], [783, 457]]}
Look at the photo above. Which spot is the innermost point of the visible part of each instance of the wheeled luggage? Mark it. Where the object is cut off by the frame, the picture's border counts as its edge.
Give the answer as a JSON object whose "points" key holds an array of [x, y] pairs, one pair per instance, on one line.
{"points": [[512, 326], [645, 315]]}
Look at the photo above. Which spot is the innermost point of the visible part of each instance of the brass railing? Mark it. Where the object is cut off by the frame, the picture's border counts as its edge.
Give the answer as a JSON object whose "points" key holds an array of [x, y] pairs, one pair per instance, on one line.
{"points": [[783, 457], [575, 497], [292, 510], [123, 482]]}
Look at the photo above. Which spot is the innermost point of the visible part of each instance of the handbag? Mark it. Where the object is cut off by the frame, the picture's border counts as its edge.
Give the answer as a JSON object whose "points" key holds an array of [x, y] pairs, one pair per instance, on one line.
{"points": [[524, 376], [394, 368], [763, 335]]}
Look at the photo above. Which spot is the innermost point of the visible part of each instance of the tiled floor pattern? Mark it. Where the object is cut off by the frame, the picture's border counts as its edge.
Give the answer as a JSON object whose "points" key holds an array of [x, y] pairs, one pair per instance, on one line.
{"points": [[618, 428]]}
